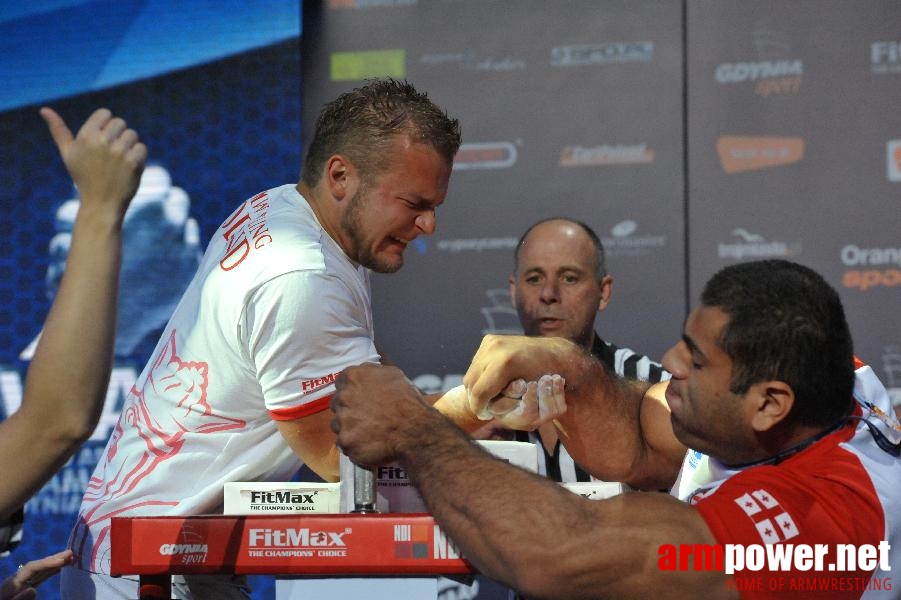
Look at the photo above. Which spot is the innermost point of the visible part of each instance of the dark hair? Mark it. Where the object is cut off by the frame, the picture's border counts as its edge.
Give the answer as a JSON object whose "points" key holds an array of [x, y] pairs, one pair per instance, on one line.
{"points": [[362, 123], [786, 323], [600, 259]]}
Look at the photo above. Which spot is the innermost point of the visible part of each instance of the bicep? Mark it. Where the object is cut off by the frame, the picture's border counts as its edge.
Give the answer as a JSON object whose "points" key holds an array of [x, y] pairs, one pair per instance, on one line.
{"points": [[663, 451], [298, 333]]}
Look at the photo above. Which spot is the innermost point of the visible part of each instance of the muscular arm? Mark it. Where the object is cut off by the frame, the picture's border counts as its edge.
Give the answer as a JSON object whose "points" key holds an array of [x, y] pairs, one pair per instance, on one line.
{"points": [[312, 440], [514, 526], [617, 429], [68, 377]]}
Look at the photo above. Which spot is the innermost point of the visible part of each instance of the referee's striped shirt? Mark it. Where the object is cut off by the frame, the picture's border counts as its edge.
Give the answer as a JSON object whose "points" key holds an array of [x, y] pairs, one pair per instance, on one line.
{"points": [[559, 466]]}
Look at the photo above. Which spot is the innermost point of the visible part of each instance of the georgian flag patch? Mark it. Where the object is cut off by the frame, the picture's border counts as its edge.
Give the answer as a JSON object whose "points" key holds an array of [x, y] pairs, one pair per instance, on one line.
{"points": [[772, 521]]}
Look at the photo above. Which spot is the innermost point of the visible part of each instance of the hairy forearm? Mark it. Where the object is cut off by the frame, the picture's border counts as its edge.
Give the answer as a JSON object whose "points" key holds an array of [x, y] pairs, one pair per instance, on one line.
{"points": [[526, 531], [503, 519], [543, 540], [604, 432]]}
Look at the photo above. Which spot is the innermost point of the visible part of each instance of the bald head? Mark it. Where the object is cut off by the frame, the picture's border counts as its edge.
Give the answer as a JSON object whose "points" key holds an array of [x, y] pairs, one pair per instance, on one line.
{"points": [[559, 281]]}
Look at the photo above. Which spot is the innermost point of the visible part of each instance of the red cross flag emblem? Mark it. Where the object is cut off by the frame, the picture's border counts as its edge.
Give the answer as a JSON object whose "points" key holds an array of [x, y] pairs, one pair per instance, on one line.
{"points": [[773, 522]]}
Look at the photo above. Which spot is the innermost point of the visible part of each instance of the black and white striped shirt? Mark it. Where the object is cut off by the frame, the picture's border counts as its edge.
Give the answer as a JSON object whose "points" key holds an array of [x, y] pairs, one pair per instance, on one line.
{"points": [[560, 466]]}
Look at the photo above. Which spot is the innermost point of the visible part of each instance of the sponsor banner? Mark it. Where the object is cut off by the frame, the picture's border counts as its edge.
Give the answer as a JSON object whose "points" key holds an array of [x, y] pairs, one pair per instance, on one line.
{"points": [[622, 240], [768, 76], [485, 155], [256, 497], [476, 244], [357, 66], [321, 544], [740, 153], [871, 267], [885, 58], [893, 160], [478, 63], [602, 54], [753, 246], [606, 154]]}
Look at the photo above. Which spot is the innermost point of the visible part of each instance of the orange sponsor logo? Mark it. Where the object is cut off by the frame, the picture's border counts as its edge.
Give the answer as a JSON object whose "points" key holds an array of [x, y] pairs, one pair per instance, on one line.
{"points": [[485, 155], [738, 153]]}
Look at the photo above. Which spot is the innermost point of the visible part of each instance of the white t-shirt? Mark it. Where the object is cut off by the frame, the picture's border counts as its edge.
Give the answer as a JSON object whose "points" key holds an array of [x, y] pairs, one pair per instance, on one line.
{"points": [[274, 313]]}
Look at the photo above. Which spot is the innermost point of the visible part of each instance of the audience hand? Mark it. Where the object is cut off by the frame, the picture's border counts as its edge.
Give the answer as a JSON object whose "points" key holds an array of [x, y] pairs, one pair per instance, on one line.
{"points": [[21, 584], [105, 158]]}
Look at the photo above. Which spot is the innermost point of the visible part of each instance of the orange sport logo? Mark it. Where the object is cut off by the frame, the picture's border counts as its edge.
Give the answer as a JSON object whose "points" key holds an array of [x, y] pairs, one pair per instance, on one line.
{"points": [[739, 153], [871, 267]]}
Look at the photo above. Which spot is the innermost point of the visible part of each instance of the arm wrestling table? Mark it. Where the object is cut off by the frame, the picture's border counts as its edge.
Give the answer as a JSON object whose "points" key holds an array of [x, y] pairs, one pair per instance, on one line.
{"points": [[154, 548]]}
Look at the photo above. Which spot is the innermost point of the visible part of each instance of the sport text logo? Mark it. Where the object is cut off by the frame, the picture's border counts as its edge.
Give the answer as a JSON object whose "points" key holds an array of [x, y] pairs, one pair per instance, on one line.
{"points": [[740, 153]]}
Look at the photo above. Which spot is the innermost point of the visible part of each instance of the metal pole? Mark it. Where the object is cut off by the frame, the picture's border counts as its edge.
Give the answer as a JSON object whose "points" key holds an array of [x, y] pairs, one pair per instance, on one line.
{"points": [[364, 490]]}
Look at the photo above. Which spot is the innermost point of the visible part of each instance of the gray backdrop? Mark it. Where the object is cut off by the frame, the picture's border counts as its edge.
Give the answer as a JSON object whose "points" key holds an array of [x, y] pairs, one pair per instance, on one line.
{"points": [[690, 135]]}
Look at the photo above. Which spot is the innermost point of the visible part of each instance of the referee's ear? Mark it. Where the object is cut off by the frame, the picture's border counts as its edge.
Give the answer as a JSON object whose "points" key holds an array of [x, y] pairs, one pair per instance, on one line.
{"points": [[606, 292]]}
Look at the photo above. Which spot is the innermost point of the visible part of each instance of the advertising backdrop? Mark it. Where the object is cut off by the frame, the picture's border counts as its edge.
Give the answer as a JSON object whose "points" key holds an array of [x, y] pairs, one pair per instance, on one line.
{"points": [[690, 135]]}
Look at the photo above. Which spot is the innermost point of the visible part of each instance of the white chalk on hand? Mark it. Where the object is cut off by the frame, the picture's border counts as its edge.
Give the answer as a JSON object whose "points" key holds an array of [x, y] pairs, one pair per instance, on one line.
{"points": [[503, 404]]}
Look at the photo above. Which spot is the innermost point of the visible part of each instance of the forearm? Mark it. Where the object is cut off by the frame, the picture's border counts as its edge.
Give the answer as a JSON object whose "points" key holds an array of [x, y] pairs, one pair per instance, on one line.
{"points": [[543, 540], [514, 526], [454, 405], [69, 374], [606, 433], [67, 379], [480, 501]]}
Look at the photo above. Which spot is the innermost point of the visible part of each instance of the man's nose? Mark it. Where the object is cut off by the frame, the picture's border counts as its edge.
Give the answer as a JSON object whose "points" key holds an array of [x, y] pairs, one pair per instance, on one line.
{"points": [[426, 222], [550, 291], [675, 360]]}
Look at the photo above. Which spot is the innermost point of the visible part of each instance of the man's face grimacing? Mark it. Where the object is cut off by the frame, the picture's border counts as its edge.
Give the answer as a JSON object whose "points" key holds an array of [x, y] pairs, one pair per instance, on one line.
{"points": [[394, 207], [556, 289], [705, 414]]}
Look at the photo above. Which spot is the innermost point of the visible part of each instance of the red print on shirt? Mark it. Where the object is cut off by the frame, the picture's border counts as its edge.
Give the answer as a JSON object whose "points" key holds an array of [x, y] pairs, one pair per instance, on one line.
{"points": [[179, 391]]}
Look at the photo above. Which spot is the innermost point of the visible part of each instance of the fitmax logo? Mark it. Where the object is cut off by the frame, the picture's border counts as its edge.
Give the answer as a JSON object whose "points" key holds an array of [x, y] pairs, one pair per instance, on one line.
{"points": [[283, 497], [294, 538]]}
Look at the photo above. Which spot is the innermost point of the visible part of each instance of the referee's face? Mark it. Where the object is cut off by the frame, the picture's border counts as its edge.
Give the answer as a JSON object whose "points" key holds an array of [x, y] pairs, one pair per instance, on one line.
{"points": [[556, 290]]}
